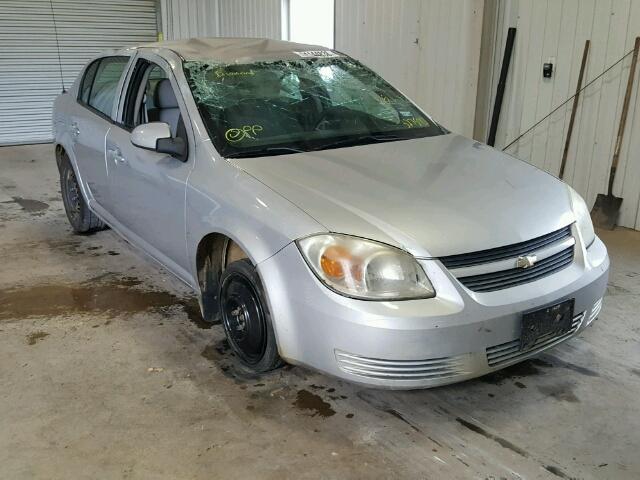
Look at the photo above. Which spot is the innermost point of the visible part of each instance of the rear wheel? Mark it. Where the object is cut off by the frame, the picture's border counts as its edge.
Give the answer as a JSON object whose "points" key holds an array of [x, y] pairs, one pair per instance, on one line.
{"points": [[82, 219], [245, 317]]}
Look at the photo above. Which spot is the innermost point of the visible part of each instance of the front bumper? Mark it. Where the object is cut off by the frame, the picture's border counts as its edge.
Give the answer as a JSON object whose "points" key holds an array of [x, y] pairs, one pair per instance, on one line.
{"points": [[455, 336]]}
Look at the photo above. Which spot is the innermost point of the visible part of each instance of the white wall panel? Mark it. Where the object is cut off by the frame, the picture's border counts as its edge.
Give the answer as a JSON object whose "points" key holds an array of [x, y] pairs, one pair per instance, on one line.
{"points": [[189, 18], [558, 29], [250, 18], [221, 18], [429, 49]]}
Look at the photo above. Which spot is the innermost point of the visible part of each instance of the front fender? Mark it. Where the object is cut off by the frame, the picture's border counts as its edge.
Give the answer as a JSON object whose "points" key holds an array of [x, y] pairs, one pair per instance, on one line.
{"points": [[223, 199]]}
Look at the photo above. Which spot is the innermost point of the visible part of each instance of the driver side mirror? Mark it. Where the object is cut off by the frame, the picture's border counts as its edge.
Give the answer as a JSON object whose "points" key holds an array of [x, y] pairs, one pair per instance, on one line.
{"points": [[156, 136]]}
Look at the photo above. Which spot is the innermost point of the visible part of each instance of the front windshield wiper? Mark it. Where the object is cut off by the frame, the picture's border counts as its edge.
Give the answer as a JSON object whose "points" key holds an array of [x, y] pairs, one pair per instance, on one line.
{"points": [[345, 142], [264, 152], [361, 140]]}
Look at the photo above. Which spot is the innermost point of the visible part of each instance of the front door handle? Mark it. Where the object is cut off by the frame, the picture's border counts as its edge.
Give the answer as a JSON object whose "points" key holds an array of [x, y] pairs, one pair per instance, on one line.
{"points": [[116, 155]]}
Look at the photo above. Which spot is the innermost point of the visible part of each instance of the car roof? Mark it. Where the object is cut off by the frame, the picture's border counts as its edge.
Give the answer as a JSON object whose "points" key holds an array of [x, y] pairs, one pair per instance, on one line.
{"points": [[236, 50]]}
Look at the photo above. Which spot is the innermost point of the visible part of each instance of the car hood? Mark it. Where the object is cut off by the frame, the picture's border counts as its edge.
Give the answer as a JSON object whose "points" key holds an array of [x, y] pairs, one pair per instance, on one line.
{"points": [[432, 196]]}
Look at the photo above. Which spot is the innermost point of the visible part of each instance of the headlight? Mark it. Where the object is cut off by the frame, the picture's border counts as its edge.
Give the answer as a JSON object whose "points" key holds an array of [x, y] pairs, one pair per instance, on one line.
{"points": [[583, 218], [365, 269]]}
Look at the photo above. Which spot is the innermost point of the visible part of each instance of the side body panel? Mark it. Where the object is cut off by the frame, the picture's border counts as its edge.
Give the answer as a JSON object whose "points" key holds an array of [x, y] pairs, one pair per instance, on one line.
{"points": [[147, 197], [88, 130], [164, 206], [147, 189]]}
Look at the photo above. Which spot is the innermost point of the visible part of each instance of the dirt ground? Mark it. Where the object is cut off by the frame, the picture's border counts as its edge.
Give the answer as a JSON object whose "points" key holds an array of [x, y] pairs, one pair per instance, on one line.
{"points": [[107, 372]]}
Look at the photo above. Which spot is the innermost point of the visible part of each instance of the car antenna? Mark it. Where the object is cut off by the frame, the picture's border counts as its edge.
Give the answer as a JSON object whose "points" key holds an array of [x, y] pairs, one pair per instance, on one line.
{"points": [[55, 31]]}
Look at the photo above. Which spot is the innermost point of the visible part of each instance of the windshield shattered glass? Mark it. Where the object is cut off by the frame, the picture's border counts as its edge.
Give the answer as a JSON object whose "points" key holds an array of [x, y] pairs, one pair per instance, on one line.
{"points": [[285, 106]]}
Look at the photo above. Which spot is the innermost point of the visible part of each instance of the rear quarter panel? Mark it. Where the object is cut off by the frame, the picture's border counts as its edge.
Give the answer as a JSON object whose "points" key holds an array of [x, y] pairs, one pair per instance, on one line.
{"points": [[64, 107]]}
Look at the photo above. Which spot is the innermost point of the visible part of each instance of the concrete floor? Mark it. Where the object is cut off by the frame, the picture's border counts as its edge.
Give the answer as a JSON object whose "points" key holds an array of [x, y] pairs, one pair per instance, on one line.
{"points": [[106, 372]]}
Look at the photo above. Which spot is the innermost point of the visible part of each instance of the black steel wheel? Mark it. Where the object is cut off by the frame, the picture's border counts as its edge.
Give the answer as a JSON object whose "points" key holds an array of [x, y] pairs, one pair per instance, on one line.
{"points": [[81, 218], [245, 317]]}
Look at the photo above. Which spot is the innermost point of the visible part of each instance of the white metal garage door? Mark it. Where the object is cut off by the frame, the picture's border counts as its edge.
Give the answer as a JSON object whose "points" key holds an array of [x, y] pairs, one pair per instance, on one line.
{"points": [[30, 72]]}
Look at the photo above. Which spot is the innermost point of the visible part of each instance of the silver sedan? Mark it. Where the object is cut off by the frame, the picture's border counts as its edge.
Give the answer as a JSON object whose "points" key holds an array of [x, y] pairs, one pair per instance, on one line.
{"points": [[321, 216]]}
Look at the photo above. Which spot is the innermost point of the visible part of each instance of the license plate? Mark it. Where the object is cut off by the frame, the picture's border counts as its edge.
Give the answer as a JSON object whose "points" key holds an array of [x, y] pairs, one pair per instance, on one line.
{"points": [[547, 322]]}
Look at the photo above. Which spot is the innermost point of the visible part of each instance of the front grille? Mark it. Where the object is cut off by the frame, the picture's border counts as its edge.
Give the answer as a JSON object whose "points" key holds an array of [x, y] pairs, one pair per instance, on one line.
{"points": [[434, 368], [502, 253], [490, 270], [489, 282], [509, 352]]}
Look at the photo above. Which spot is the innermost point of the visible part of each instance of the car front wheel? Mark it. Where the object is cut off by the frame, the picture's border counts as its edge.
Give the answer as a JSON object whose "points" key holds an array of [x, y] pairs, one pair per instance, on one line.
{"points": [[245, 317]]}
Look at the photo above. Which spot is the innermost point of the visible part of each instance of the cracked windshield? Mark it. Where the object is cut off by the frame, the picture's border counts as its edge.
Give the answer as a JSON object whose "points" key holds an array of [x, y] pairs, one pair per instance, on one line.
{"points": [[289, 106]]}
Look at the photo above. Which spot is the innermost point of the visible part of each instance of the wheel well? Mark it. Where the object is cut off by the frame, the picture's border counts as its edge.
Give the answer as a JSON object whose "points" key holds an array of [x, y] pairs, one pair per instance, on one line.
{"points": [[215, 251], [60, 152]]}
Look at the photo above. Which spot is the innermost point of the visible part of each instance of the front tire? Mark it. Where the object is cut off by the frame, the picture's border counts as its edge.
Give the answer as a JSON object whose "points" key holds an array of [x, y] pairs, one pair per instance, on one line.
{"points": [[246, 318], [81, 218]]}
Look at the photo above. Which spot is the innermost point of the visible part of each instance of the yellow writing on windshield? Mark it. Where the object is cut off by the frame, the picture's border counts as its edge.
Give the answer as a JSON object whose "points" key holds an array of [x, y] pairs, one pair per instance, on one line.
{"points": [[234, 135], [220, 73], [414, 122]]}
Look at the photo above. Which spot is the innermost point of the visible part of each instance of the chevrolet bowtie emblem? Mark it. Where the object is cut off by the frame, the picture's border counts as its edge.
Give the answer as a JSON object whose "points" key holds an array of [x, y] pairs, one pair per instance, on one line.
{"points": [[526, 261]]}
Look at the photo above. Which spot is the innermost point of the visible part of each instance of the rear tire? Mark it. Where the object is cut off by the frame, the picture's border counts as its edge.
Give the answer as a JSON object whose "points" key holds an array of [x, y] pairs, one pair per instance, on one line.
{"points": [[81, 218], [246, 318]]}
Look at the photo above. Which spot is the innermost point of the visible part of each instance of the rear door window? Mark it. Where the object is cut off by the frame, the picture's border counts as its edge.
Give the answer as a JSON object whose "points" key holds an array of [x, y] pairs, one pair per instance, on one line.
{"points": [[100, 84], [87, 81]]}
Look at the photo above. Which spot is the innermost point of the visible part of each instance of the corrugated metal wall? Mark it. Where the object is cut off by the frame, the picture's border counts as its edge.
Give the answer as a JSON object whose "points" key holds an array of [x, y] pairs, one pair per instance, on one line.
{"points": [[226, 18], [430, 49], [29, 65], [250, 18], [189, 18], [558, 29]]}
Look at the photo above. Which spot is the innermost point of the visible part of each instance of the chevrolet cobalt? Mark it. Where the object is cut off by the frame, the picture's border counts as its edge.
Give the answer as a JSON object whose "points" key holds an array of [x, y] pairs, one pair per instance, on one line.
{"points": [[321, 216]]}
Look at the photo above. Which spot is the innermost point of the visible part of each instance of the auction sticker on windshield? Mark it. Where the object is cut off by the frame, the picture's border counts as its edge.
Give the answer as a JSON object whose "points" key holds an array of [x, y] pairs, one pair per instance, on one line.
{"points": [[317, 53]]}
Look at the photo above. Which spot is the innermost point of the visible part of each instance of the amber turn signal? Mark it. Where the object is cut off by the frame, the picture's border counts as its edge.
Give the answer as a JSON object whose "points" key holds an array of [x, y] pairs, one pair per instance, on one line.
{"points": [[333, 259]]}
